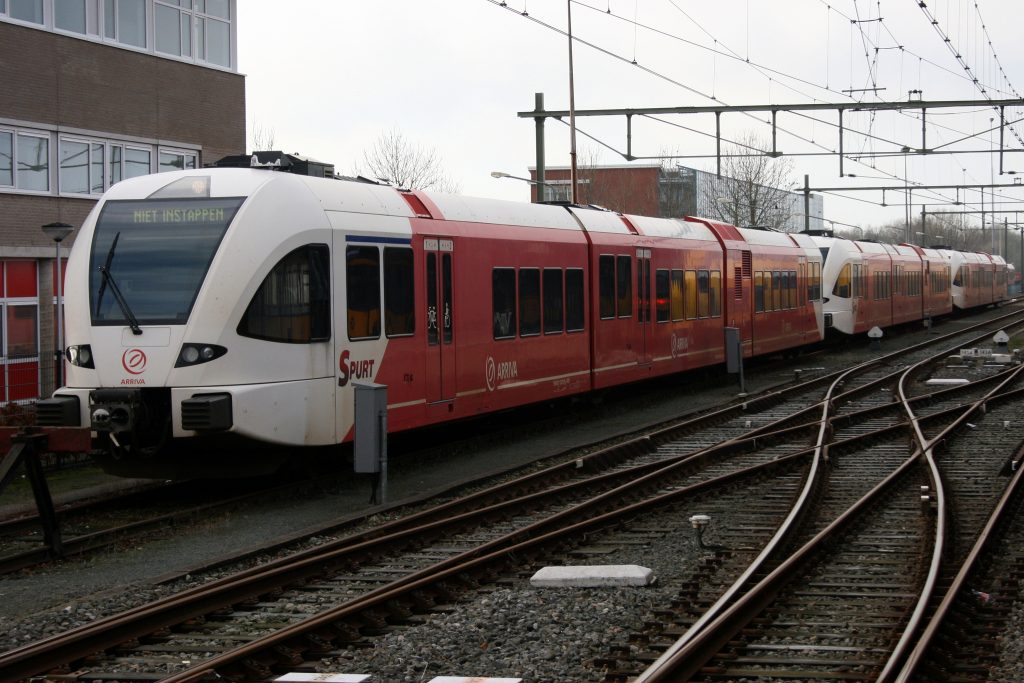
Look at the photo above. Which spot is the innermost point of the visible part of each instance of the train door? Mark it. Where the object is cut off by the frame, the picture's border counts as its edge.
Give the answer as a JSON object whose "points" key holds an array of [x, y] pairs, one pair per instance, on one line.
{"points": [[439, 255], [643, 309]]}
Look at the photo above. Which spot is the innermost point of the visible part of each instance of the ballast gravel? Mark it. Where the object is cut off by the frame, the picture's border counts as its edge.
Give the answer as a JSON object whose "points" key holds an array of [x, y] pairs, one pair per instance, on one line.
{"points": [[514, 630]]}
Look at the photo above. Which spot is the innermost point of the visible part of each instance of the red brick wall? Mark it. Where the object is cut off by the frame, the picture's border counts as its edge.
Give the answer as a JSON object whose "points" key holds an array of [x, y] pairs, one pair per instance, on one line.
{"points": [[627, 190]]}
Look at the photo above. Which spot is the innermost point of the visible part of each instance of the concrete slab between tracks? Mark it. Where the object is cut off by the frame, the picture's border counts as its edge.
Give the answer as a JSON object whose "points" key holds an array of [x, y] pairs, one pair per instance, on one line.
{"points": [[592, 576], [323, 678]]}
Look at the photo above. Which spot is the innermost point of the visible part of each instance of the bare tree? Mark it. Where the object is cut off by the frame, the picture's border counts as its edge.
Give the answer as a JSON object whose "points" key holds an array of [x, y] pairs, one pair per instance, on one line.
{"points": [[753, 188], [396, 160], [262, 137]]}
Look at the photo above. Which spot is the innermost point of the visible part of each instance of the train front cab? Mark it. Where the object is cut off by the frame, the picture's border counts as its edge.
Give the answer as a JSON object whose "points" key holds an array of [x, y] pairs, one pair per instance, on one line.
{"points": [[970, 272], [842, 283]]}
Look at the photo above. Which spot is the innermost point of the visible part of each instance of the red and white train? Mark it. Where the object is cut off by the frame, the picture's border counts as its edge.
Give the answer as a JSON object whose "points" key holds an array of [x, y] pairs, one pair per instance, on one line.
{"points": [[215, 311]]}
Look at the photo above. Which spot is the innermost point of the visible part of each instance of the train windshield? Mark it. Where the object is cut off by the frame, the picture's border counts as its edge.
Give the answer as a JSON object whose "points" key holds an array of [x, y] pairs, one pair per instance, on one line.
{"points": [[156, 253]]}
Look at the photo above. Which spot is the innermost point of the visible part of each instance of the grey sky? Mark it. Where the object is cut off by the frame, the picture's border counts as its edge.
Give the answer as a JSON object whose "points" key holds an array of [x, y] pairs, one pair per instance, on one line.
{"points": [[329, 76]]}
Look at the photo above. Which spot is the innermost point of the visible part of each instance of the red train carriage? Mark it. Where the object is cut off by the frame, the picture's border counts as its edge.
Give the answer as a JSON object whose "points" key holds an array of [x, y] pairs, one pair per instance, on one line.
{"points": [[770, 294], [936, 298], [907, 284]]}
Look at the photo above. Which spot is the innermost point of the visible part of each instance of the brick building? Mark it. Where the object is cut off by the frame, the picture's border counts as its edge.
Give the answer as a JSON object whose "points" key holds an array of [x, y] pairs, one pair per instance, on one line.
{"points": [[650, 189], [93, 92]]}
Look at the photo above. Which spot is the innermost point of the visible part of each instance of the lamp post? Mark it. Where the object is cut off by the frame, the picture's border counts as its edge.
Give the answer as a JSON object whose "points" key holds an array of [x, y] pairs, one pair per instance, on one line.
{"points": [[57, 232], [539, 183]]}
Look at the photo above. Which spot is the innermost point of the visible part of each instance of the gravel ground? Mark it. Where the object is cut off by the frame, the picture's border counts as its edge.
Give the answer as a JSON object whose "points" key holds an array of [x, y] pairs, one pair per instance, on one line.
{"points": [[540, 635]]}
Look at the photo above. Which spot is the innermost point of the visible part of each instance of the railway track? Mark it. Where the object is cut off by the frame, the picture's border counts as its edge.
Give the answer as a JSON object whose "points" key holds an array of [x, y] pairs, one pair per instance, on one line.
{"points": [[851, 602], [249, 625]]}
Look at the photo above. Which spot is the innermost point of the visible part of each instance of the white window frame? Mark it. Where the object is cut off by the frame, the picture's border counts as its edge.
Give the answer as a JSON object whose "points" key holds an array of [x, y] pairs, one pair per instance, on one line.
{"points": [[89, 180], [185, 155], [14, 168], [96, 16], [182, 12], [55, 139], [49, 160]]}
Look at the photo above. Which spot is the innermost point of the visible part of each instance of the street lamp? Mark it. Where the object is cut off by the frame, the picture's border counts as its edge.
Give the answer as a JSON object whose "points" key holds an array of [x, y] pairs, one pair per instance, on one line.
{"points": [[539, 183], [57, 232]]}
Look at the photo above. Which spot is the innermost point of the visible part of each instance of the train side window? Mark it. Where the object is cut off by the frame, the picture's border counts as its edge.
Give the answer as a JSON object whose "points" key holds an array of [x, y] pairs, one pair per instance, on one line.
{"points": [[606, 286], [777, 304], [574, 299], [503, 300], [677, 295], [759, 292], [661, 295], [801, 292], [399, 318], [716, 293], [362, 283], [529, 302], [703, 294], [447, 323], [292, 305], [842, 286], [690, 294], [791, 289], [624, 286], [553, 301]]}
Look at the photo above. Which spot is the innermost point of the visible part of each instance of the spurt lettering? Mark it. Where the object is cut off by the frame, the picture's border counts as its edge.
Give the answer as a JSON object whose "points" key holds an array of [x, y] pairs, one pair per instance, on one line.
{"points": [[356, 369]]}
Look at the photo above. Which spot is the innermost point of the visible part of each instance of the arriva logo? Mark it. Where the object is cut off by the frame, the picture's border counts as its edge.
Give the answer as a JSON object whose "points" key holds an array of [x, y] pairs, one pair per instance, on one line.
{"points": [[134, 361], [499, 372]]}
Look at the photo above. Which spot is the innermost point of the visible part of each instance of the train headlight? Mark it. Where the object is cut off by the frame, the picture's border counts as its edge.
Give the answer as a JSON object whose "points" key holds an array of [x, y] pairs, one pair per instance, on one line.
{"points": [[195, 354], [80, 356]]}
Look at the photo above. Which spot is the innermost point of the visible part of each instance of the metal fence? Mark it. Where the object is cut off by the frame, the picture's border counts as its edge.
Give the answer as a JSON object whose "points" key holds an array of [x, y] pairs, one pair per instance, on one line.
{"points": [[26, 379]]}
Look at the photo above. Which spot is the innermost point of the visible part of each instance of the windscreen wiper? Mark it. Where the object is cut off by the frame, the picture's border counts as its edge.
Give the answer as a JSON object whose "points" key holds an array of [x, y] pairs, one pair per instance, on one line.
{"points": [[108, 279]]}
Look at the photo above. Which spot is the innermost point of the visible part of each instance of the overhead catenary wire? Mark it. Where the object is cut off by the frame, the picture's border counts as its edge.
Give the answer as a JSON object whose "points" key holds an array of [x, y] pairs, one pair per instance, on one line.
{"points": [[719, 49]]}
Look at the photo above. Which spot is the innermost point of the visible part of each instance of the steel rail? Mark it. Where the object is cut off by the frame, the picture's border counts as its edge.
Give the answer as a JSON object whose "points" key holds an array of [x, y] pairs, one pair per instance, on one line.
{"points": [[916, 658], [893, 667], [680, 663], [146, 612]]}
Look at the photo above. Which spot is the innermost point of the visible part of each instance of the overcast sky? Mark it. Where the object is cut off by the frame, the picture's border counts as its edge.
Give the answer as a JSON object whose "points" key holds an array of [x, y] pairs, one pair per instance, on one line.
{"points": [[328, 77]]}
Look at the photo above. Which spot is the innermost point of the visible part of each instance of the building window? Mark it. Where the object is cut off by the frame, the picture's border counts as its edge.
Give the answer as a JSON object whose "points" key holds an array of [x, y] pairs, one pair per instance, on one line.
{"points": [[6, 158], [213, 37], [173, 32], [27, 10], [81, 167], [125, 21], [69, 15], [33, 162], [136, 162], [198, 31], [176, 161]]}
